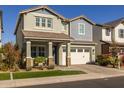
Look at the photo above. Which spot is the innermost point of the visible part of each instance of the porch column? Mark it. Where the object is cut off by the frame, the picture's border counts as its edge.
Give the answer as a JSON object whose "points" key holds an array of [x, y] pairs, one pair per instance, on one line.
{"points": [[68, 54], [59, 54], [50, 54], [28, 55]]}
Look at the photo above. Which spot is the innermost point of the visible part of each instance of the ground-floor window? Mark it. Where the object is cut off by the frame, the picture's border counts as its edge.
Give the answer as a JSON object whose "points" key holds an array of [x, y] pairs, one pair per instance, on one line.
{"points": [[33, 51], [41, 51], [37, 51]]}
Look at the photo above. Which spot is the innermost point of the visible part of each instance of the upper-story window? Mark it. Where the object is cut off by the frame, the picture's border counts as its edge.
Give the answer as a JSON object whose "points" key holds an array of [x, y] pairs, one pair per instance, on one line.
{"points": [[37, 21], [121, 33], [108, 31], [81, 29], [44, 22], [49, 22]]}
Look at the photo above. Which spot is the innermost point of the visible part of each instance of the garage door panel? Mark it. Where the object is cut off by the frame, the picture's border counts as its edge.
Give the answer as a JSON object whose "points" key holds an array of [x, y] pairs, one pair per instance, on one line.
{"points": [[78, 56]]}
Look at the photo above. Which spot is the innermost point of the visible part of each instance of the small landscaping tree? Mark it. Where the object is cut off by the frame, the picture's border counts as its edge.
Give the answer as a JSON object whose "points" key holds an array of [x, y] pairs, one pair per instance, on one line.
{"points": [[114, 58], [12, 56]]}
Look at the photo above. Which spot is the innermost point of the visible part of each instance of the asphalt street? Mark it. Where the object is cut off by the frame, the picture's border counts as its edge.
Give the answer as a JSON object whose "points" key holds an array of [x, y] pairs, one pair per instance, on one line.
{"points": [[115, 82]]}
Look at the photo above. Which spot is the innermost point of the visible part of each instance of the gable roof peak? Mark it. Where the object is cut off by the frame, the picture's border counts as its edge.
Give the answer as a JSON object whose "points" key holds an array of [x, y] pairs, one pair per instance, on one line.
{"points": [[33, 8], [82, 17], [43, 7]]}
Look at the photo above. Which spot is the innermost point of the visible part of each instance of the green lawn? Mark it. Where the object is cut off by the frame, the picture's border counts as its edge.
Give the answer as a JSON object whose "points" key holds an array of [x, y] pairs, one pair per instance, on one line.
{"points": [[22, 75], [4, 76]]}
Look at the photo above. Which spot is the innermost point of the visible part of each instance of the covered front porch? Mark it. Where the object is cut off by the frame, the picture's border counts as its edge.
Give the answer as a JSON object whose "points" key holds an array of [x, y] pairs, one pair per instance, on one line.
{"points": [[46, 44], [50, 49]]}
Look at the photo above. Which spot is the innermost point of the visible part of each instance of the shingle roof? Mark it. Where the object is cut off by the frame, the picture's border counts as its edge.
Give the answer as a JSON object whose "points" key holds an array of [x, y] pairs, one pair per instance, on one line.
{"points": [[46, 35], [114, 22]]}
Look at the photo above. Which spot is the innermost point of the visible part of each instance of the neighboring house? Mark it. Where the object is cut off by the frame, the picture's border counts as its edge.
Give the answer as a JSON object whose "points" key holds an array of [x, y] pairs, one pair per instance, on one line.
{"points": [[108, 34], [1, 28], [42, 32]]}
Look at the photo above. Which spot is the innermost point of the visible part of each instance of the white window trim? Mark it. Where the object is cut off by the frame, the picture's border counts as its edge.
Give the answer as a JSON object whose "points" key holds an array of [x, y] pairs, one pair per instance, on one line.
{"points": [[79, 29], [107, 32], [51, 23], [40, 27], [41, 22], [37, 49], [120, 32]]}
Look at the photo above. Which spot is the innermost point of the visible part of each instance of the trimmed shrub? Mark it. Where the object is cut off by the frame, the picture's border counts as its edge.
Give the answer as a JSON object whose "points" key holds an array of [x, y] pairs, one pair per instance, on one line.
{"points": [[39, 59], [114, 61], [103, 60]]}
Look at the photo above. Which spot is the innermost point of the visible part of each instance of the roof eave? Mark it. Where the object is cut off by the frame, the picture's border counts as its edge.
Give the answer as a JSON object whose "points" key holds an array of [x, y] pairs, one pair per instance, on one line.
{"points": [[104, 26], [27, 37]]}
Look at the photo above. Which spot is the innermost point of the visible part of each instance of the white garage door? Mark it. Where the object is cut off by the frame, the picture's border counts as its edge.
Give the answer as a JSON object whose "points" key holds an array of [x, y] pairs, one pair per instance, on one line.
{"points": [[78, 56]]}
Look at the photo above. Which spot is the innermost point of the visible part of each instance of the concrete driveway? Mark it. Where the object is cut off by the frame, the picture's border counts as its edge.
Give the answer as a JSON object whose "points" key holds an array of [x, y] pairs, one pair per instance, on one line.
{"points": [[88, 68]]}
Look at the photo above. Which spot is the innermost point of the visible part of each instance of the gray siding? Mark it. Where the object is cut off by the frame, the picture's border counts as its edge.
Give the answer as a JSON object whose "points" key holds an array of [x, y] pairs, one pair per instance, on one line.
{"points": [[97, 33], [74, 30]]}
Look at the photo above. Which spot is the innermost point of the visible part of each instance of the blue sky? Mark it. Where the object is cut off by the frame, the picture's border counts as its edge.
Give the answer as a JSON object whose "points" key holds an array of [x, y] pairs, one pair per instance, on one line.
{"points": [[98, 14]]}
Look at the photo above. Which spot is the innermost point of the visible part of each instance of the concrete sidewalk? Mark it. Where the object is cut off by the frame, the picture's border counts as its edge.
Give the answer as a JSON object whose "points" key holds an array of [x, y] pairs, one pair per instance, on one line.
{"points": [[50, 80]]}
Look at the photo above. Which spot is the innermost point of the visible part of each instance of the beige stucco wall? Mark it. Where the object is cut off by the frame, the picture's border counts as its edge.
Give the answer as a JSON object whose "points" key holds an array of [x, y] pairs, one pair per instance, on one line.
{"points": [[104, 37], [117, 38], [29, 23]]}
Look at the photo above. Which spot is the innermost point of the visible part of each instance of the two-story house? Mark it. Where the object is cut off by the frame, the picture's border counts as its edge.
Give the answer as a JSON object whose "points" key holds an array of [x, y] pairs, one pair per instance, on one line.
{"points": [[109, 34], [1, 28], [40, 31]]}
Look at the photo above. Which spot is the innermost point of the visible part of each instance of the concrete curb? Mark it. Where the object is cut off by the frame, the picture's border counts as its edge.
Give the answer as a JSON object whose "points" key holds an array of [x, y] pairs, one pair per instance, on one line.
{"points": [[50, 80]]}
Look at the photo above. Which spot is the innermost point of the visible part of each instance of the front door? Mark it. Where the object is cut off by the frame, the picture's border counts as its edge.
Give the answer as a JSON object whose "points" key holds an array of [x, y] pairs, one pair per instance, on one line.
{"points": [[55, 54]]}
